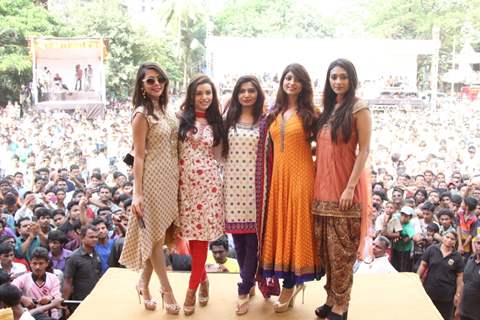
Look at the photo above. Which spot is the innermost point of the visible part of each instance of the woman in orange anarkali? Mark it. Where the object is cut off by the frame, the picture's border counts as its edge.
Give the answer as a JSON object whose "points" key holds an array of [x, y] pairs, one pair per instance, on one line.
{"points": [[287, 245], [341, 199]]}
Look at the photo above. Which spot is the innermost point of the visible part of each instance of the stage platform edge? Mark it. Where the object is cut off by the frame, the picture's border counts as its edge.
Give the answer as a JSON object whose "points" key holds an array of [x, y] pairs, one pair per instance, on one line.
{"points": [[374, 297]]}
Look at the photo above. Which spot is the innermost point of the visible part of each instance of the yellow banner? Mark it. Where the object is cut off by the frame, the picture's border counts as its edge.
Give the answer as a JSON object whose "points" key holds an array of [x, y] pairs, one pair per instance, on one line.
{"points": [[68, 43], [62, 43]]}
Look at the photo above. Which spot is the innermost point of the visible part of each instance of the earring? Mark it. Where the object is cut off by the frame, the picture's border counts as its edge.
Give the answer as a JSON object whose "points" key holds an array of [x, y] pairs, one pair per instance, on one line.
{"points": [[144, 94]]}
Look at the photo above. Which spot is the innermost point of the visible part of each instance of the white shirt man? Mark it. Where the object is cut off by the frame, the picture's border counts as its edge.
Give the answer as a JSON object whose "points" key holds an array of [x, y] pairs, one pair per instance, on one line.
{"points": [[380, 263]]}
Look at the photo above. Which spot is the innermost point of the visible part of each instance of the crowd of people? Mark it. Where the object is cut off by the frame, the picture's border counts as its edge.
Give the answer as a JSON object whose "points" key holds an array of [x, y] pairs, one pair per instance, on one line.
{"points": [[69, 210]]}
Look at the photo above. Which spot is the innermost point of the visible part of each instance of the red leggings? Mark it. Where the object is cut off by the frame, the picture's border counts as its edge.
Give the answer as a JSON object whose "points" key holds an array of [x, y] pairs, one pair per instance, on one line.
{"points": [[198, 251]]}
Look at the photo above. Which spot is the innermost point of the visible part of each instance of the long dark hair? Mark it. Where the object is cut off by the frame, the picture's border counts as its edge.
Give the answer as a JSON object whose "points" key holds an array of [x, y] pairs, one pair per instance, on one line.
{"points": [[138, 96], [214, 119], [343, 117], [306, 109], [235, 108]]}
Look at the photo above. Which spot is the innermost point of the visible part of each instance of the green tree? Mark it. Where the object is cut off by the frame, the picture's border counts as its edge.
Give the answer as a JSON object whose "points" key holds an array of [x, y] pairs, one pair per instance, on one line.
{"points": [[20, 19], [128, 45], [414, 19], [272, 18], [186, 21]]}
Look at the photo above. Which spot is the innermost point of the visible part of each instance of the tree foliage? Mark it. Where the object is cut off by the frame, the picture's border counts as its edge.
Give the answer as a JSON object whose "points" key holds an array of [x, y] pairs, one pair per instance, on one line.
{"points": [[128, 47], [186, 22], [272, 18], [20, 19], [414, 19]]}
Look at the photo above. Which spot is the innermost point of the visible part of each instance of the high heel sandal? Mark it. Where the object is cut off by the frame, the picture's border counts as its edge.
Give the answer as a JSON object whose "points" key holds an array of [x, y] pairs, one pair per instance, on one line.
{"points": [[335, 316], [149, 304], [283, 307], [203, 293], [172, 308], [189, 304], [323, 311]]}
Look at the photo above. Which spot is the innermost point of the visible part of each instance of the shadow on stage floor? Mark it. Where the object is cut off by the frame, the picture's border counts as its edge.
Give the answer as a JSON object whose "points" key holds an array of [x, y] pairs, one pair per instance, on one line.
{"points": [[382, 297]]}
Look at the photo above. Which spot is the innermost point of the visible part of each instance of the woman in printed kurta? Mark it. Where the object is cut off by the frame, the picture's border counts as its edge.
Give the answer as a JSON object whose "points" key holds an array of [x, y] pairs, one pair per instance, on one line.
{"points": [[244, 115], [341, 201], [202, 137], [155, 195], [287, 249]]}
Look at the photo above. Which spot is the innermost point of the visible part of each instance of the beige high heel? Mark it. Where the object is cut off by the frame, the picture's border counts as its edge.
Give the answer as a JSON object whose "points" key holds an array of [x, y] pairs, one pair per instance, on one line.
{"points": [[203, 293], [172, 308], [189, 304], [149, 304], [283, 307]]}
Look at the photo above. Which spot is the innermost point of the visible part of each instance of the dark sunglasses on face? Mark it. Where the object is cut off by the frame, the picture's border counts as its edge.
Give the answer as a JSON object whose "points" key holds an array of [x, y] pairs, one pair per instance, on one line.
{"points": [[152, 80]]}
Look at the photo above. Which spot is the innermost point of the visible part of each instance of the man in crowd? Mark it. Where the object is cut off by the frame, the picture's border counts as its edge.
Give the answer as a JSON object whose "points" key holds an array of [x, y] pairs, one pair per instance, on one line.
{"points": [[76, 215], [397, 198], [43, 216], [18, 184], [83, 269], [58, 255], [10, 297], [10, 208], [39, 287], [403, 245], [466, 226], [104, 244], [14, 269], [105, 197], [379, 263], [218, 260], [28, 238], [469, 305]]}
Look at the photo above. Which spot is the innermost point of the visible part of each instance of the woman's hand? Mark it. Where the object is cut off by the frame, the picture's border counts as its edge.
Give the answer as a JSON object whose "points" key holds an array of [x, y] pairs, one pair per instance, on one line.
{"points": [[346, 200], [137, 205], [456, 301]]}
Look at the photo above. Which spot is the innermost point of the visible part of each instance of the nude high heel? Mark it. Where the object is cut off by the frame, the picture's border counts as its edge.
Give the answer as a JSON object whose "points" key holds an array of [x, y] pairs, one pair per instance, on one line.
{"points": [[189, 304], [283, 307], [149, 304], [172, 308], [203, 293]]}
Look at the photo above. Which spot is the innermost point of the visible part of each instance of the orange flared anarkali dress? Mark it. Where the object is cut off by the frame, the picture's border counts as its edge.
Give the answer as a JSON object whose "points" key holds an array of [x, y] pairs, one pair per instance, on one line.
{"points": [[288, 243]]}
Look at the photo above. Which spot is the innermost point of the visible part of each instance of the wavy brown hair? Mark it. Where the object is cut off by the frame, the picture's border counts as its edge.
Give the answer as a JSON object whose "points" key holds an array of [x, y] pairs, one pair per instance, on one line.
{"points": [[213, 116], [341, 122], [235, 108], [138, 98], [306, 109]]}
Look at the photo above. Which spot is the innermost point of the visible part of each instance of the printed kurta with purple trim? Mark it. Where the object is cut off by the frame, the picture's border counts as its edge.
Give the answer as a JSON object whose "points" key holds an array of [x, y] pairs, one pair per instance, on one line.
{"points": [[240, 207]]}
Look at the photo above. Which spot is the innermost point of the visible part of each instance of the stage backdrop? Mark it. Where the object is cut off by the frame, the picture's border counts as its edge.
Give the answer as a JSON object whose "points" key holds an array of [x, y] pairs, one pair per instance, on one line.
{"points": [[68, 73]]}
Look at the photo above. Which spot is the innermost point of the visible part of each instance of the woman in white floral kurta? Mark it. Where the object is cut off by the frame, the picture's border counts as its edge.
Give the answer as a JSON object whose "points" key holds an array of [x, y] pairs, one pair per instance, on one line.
{"points": [[201, 196], [201, 135]]}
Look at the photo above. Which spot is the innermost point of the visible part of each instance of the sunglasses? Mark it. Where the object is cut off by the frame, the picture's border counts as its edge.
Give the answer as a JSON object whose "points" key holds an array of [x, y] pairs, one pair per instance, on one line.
{"points": [[152, 80]]}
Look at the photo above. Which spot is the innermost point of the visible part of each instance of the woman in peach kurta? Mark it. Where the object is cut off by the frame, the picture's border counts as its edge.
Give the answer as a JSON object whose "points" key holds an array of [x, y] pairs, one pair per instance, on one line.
{"points": [[287, 248], [341, 200]]}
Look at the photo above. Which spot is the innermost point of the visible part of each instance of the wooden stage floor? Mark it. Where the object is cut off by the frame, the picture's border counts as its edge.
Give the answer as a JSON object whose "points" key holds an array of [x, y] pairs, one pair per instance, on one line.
{"points": [[374, 297]]}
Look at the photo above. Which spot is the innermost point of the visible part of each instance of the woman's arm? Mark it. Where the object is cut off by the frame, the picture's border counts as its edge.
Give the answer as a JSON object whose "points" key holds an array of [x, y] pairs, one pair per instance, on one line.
{"points": [[363, 123], [421, 269], [139, 132], [459, 291]]}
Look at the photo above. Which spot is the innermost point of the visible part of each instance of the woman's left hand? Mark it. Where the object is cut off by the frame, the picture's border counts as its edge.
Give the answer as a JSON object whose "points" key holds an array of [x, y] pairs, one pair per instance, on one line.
{"points": [[456, 300], [346, 200]]}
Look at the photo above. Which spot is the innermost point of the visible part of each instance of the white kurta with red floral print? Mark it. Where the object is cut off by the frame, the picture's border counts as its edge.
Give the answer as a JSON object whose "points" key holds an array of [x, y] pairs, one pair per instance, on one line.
{"points": [[201, 188]]}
